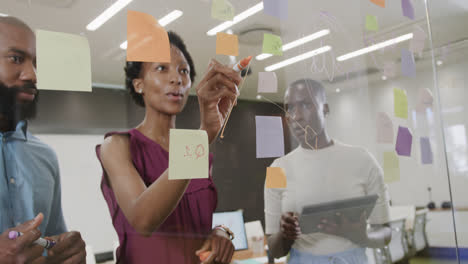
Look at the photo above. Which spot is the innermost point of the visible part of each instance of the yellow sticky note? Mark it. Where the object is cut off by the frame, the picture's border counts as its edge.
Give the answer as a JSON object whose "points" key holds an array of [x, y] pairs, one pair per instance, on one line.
{"points": [[63, 62], [275, 178], [391, 167], [188, 154], [380, 3], [222, 10], [371, 23], [272, 44], [400, 103], [227, 44], [147, 40]]}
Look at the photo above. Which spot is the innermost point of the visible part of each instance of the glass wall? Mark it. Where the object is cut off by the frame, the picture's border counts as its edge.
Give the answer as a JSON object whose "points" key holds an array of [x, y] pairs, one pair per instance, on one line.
{"points": [[372, 103]]}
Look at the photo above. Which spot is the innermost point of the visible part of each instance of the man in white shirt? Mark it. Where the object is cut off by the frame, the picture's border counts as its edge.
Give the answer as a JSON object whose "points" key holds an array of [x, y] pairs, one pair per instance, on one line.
{"points": [[323, 170]]}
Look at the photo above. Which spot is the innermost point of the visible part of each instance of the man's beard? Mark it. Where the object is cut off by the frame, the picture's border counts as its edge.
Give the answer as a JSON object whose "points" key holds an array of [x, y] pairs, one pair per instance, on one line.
{"points": [[13, 110]]}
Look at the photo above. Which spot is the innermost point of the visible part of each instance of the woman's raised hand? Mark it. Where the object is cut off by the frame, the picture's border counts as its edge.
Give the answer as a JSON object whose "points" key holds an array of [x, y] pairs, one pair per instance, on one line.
{"points": [[217, 92]]}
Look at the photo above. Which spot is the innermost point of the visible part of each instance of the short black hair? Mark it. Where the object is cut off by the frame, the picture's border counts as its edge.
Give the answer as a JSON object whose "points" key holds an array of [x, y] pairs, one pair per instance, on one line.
{"points": [[133, 68], [9, 20], [313, 86]]}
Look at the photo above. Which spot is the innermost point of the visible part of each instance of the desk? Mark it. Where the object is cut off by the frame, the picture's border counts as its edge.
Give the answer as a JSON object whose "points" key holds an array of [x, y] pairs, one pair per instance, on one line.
{"points": [[248, 254]]}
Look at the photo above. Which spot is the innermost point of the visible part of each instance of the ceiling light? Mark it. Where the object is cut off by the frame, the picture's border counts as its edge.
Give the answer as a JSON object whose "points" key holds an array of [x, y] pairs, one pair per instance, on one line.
{"points": [[124, 45], [439, 62], [107, 14], [298, 42], [375, 47], [298, 58], [3, 15], [249, 12], [259, 97], [166, 20], [384, 78], [338, 90]]}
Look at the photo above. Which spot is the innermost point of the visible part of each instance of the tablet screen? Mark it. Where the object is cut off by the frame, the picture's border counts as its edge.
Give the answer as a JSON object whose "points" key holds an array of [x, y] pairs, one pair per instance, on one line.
{"points": [[235, 222]]}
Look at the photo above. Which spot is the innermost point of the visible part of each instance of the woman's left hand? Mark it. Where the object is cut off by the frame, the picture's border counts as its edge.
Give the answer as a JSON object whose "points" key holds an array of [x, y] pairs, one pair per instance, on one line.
{"points": [[220, 247]]}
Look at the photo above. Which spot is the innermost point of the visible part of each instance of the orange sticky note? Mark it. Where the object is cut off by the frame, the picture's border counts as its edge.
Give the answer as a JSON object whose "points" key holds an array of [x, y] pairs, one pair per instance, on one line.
{"points": [[379, 2], [227, 44], [147, 40], [276, 178]]}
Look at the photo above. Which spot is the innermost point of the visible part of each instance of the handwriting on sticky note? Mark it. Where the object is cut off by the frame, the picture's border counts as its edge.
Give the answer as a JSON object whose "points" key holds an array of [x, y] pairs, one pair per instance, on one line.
{"points": [[404, 142], [407, 9], [147, 40], [188, 154], [194, 151], [272, 44], [63, 62], [426, 150], [391, 167], [275, 178], [222, 10], [384, 128], [400, 103], [372, 23], [276, 8], [380, 3], [270, 138], [267, 82], [408, 65], [227, 44]]}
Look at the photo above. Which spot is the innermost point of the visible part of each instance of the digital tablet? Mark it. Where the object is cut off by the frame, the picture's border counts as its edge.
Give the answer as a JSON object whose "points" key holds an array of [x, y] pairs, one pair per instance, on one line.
{"points": [[351, 208]]}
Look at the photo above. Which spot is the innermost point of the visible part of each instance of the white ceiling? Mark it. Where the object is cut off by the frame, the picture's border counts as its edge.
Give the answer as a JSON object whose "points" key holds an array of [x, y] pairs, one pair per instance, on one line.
{"points": [[345, 19]]}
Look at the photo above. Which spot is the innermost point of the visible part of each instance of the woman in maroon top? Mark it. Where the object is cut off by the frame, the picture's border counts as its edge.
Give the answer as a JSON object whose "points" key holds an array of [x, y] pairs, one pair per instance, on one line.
{"points": [[160, 220]]}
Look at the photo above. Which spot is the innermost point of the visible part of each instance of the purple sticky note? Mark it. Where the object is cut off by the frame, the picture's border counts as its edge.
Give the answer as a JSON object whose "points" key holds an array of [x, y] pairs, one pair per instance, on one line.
{"points": [[426, 150], [407, 7], [408, 66], [404, 141], [277, 8], [270, 138]]}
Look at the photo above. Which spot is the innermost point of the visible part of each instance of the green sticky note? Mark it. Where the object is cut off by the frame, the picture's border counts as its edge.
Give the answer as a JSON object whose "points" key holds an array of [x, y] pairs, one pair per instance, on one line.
{"points": [[272, 44], [371, 23], [63, 62], [188, 154], [222, 10], [400, 103], [391, 167]]}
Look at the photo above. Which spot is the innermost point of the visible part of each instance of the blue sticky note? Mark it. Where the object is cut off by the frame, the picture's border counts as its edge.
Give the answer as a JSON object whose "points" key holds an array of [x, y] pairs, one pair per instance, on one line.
{"points": [[407, 8], [408, 65], [404, 142], [426, 151], [277, 8], [270, 138]]}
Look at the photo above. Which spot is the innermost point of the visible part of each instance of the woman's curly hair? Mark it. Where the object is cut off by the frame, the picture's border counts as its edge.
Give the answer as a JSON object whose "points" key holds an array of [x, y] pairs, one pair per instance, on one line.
{"points": [[133, 68]]}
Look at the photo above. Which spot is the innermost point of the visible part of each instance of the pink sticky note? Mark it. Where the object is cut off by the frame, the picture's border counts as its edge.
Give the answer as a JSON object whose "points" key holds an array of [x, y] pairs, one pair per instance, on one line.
{"points": [[267, 82], [277, 8], [407, 8], [425, 100], [404, 141], [419, 40], [390, 69], [384, 128]]}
